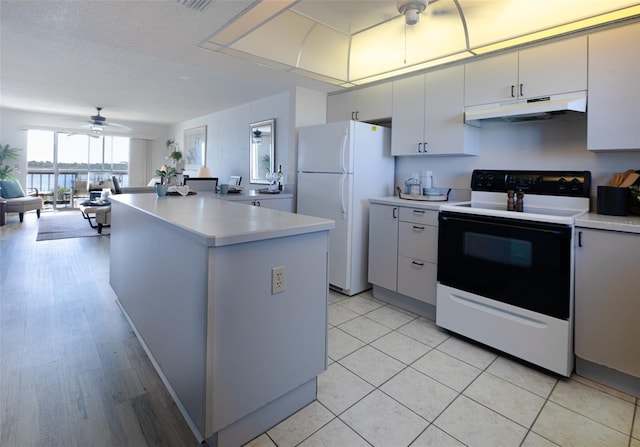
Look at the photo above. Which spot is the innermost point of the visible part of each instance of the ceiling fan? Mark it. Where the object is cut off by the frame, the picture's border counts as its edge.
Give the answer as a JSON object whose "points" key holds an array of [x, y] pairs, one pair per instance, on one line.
{"points": [[411, 9], [98, 123]]}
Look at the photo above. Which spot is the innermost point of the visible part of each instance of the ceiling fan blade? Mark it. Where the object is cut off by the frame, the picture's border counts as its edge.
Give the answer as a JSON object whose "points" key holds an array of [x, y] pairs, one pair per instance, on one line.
{"points": [[120, 126]]}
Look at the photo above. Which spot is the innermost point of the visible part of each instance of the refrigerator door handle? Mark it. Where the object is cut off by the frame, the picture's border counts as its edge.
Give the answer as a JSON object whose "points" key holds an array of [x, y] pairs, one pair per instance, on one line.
{"points": [[344, 150], [342, 204]]}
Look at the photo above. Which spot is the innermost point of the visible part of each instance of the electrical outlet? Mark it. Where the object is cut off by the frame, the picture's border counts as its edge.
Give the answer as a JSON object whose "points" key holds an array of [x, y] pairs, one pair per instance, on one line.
{"points": [[277, 279]]}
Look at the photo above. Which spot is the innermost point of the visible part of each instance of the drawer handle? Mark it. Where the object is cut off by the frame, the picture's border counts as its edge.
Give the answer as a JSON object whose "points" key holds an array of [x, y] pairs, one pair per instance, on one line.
{"points": [[419, 264], [415, 227], [418, 211]]}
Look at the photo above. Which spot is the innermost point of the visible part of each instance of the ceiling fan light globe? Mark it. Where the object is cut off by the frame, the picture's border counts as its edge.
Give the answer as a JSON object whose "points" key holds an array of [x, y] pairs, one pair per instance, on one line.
{"points": [[412, 16]]}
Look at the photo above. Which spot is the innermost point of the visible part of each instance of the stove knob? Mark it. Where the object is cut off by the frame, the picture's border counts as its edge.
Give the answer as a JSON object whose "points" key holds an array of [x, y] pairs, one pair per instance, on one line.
{"points": [[562, 183], [576, 184]]}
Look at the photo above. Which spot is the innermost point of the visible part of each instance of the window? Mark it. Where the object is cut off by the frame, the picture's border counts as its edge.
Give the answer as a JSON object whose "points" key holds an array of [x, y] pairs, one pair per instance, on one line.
{"points": [[55, 160]]}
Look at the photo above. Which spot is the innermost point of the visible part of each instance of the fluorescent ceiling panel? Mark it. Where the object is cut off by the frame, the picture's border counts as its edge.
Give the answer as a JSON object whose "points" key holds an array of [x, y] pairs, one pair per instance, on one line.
{"points": [[325, 51], [280, 39], [249, 20], [359, 41], [499, 20], [348, 17]]}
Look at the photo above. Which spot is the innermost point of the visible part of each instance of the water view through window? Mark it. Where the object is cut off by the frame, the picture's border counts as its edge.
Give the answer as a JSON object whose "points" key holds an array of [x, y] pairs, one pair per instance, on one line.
{"points": [[57, 161]]}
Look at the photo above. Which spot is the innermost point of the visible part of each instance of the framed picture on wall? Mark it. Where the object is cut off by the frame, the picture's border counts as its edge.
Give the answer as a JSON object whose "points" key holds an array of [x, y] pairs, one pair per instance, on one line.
{"points": [[195, 147]]}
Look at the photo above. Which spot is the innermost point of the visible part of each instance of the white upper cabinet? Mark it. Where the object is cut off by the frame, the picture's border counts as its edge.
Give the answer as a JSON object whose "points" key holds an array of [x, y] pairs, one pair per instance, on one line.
{"points": [[407, 127], [553, 68], [428, 115], [365, 104], [614, 89]]}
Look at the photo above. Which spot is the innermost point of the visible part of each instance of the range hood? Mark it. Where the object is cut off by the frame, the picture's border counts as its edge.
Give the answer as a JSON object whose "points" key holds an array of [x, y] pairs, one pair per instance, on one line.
{"points": [[531, 109]]}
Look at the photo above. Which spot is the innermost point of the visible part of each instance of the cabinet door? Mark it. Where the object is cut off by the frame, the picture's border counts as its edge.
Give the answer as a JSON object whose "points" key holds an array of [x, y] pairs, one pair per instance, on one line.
{"points": [[418, 241], [365, 104], [417, 279], [383, 245], [445, 131], [558, 67], [340, 107], [614, 89], [491, 80], [408, 116], [374, 103], [606, 299]]}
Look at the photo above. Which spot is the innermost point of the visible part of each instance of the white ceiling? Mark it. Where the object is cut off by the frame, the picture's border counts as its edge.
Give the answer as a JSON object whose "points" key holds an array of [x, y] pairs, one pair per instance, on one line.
{"points": [[139, 60], [143, 60]]}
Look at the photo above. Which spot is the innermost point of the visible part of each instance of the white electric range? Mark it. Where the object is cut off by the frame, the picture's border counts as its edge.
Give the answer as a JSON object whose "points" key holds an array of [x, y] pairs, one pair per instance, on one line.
{"points": [[506, 263]]}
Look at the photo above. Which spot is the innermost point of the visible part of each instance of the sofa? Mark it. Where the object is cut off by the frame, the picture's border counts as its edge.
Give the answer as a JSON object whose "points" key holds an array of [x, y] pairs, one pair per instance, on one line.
{"points": [[17, 201]]}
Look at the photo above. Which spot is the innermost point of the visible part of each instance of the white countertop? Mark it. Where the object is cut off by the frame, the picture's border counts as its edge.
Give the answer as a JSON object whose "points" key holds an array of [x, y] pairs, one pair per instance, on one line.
{"points": [[215, 222], [627, 224], [421, 204]]}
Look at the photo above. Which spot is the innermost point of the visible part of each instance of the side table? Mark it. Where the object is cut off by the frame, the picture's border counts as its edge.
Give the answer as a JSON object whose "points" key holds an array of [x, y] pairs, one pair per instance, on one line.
{"points": [[3, 212]]}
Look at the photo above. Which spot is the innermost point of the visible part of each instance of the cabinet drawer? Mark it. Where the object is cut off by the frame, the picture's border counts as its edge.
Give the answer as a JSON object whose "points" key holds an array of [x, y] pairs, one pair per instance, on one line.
{"points": [[418, 241], [417, 279], [418, 215]]}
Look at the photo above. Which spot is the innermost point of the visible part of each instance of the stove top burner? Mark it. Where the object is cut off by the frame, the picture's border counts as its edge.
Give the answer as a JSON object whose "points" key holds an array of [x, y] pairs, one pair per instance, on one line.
{"points": [[516, 214], [549, 196]]}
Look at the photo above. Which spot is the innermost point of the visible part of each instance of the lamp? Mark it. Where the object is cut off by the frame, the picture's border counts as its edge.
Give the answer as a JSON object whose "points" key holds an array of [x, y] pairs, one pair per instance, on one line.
{"points": [[257, 136], [97, 128], [204, 172]]}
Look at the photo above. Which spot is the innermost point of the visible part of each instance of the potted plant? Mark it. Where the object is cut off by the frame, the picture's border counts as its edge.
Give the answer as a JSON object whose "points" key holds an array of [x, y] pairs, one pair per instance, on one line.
{"points": [[178, 161], [8, 153], [165, 173]]}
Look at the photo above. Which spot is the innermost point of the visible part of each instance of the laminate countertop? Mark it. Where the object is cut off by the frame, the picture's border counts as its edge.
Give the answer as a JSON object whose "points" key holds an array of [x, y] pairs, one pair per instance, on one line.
{"points": [[626, 224], [421, 204], [214, 222]]}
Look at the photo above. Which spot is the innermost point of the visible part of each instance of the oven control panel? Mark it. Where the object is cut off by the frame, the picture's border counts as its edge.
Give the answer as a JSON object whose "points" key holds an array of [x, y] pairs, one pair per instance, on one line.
{"points": [[558, 183]]}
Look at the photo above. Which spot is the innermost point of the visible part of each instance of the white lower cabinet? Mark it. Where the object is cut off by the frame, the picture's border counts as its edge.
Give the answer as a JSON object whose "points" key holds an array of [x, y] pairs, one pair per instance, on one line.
{"points": [[403, 250], [607, 302], [383, 245]]}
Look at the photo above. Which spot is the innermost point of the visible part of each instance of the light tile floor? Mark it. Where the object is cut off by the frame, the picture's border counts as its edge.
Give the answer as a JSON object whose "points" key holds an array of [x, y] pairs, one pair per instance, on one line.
{"points": [[394, 379]]}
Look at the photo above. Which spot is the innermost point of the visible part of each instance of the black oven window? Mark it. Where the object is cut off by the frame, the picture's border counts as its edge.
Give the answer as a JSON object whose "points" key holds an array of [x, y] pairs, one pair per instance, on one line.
{"points": [[498, 249]]}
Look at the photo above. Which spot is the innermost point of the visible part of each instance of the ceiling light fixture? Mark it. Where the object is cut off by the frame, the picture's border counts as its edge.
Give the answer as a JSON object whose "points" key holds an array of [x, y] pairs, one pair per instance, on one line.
{"points": [[97, 129], [411, 10]]}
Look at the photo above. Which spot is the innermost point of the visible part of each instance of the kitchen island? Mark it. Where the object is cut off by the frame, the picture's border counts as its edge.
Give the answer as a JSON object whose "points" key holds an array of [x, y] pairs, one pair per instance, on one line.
{"points": [[195, 277]]}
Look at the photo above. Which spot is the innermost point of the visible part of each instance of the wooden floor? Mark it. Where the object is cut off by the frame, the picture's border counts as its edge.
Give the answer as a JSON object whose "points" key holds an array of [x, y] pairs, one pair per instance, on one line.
{"points": [[72, 373]]}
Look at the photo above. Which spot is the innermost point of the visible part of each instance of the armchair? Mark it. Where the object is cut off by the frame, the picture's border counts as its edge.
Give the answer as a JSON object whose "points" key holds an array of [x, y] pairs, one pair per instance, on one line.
{"points": [[80, 189], [17, 200]]}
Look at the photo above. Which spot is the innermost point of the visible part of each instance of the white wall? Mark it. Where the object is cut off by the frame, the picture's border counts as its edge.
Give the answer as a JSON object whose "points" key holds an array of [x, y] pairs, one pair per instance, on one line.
{"points": [[228, 141], [14, 122], [551, 145]]}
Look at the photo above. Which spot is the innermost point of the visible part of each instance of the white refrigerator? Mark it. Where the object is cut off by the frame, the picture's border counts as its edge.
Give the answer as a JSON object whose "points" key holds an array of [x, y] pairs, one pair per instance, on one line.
{"points": [[340, 166]]}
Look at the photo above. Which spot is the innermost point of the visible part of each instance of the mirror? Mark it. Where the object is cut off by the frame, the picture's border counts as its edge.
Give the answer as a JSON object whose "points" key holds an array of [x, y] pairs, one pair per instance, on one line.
{"points": [[262, 141]]}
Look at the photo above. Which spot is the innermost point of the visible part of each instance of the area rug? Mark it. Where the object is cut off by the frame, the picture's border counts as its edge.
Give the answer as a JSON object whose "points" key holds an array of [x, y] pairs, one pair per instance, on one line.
{"points": [[64, 225]]}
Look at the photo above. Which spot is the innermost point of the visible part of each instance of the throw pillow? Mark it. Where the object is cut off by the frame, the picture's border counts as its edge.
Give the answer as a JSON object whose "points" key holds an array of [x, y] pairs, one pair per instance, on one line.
{"points": [[10, 189]]}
